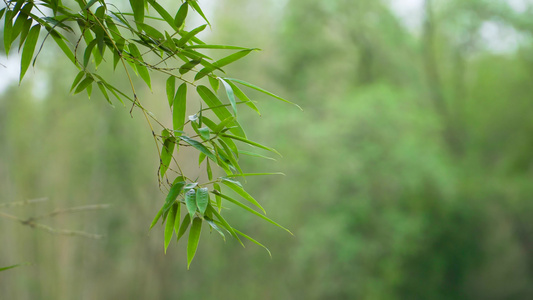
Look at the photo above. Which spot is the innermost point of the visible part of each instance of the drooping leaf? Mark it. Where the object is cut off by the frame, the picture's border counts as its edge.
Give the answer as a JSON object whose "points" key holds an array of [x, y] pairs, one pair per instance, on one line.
{"points": [[29, 49], [181, 14], [139, 64], [157, 217], [178, 218], [226, 47], [169, 227], [180, 107], [251, 143], [215, 227], [190, 34], [190, 201], [199, 147], [253, 212], [171, 89], [163, 13], [77, 80], [174, 192], [241, 95], [254, 241], [223, 62], [13, 266], [231, 95], [202, 199], [237, 187], [224, 223], [85, 83], [215, 83], [198, 9], [137, 6], [219, 109], [184, 225], [218, 199], [194, 238], [169, 143], [262, 91]]}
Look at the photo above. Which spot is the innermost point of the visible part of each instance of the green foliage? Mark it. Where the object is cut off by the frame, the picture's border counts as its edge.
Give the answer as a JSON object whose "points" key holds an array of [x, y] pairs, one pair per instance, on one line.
{"points": [[89, 33]]}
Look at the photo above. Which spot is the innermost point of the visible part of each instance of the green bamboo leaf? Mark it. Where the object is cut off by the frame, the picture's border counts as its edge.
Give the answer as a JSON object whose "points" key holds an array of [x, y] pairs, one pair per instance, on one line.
{"points": [[101, 86], [88, 52], [190, 34], [173, 194], [169, 227], [209, 171], [152, 32], [202, 199], [60, 41], [237, 187], [77, 79], [238, 138], [254, 241], [184, 225], [169, 143], [253, 211], [198, 9], [29, 48], [178, 218], [215, 227], [137, 6], [190, 201], [85, 83], [255, 155], [230, 156], [180, 106], [139, 64], [262, 91], [157, 217], [194, 238], [254, 174], [181, 14], [224, 223], [222, 62], [218, 199], [231, 95], [171, 89], [89, 4], [8, 31], [199, 147], [219, 109], [225, 47], [189, 66], [241, 95], [13, 266], [204, 133], [163, 13], [215, 83], [24, 31]]}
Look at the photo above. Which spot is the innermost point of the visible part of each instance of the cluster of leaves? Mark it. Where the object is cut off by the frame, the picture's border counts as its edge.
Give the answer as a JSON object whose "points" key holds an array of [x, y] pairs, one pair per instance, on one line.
{"points": [[92, 32]]}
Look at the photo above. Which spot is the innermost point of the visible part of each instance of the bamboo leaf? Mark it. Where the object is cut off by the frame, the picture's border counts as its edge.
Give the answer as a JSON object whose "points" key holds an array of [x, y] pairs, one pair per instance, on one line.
{"points": [[179, 19], [84, 84], [137, 6], [231, 95], [28, 50], [262, 91], [236, 186], [190, 201], [223, 62], [169, 143], [225, 47], [241, 95], [253, 212], [219, 109], [198, 9], [254, 241], [199, 147], [238, 138], [180, 106], [224, 223], [157, 217], [184, 225], [215, 227], [169, 227], [194, 238], [218, 199], [163, 13], [173, 194], [139, 64], [178, 218], [202, 199], [171, 89]]}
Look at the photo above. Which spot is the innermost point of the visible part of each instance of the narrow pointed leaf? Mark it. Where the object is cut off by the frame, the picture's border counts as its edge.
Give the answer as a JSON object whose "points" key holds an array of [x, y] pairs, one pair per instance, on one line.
{"points": [[199, 147], [166, 153], [262, 91], [198, 10], [224, 223], [184, 225], [251, 143], [202, 199], [180, 107], [77, 80], [157, 217], [231, 95], [253, 212], [163, 13], [254, 174], [138, 10], [190, 34], [239, 190], [84, 84], [139, 65], [169, 227], [178, 218], [219, 109], [171, 89], [254, 241], [215, 227], [175, 190], [28, 50], [218, 199], [190, 201], [181, 14], [194, 238], [241, 95]]}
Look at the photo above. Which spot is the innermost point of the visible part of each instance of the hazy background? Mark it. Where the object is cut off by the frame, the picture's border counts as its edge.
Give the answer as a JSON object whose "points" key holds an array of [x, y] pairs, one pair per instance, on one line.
{"points": [[409, 174]]}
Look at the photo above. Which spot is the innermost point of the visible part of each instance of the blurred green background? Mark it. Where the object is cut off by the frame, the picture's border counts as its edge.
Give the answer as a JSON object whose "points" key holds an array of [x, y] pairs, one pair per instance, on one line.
{"points": [[409, 174]]}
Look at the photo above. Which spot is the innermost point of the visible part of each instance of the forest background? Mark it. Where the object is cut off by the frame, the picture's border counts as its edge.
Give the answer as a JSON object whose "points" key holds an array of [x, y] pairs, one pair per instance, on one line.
{"points": [[409, 174]]}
